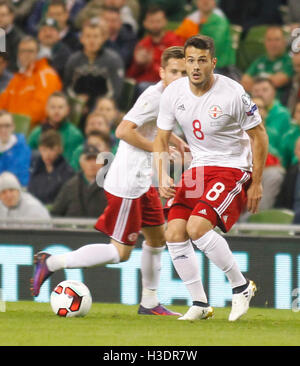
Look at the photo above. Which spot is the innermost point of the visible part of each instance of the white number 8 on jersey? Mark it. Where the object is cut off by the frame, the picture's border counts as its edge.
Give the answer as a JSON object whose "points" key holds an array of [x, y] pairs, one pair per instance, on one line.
{"points": [[214, 193]]}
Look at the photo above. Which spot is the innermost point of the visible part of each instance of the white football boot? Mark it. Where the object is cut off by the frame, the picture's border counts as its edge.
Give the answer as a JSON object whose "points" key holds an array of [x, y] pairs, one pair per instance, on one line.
{"points": [[241, 301], [198, 312]]}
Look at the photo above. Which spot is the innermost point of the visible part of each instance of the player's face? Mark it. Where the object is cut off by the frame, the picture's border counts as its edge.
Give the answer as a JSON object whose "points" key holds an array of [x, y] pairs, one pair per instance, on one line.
{"points": [[174, 70], [199, 66]]}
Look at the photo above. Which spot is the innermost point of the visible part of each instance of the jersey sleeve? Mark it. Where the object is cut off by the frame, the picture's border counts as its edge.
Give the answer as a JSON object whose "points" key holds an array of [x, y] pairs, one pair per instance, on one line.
{"points": [[245, 111], [166, 118], [144, 110]]}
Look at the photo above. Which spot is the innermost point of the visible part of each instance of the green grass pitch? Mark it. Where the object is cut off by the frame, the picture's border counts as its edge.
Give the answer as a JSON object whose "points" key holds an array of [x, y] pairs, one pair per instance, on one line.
{"points": [[27, 323]]}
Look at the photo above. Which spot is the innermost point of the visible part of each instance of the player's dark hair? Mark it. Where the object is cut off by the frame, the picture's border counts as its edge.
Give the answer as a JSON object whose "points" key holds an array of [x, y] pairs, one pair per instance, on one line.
{"points": [[171, 52], [202, 43]]}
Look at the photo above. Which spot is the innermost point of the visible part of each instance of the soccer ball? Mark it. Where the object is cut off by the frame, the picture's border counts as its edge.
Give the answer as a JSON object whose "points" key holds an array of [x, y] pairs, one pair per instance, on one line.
{"points": [[70, 299]]}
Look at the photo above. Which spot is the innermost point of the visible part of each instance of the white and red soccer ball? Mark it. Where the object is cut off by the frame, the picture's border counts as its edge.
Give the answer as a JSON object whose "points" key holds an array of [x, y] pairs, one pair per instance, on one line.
{"points": [[71, 299]]}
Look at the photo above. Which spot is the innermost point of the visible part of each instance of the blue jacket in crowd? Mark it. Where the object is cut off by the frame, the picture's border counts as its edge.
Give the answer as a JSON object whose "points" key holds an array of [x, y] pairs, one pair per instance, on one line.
{"points": [[17, 159]]}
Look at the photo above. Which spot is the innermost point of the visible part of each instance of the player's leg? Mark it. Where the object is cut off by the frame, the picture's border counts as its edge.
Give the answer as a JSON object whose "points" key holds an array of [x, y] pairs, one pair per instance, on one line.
{"points": [[152, 248], [153, 230], [186, 265], [119, 221], [216, 248], [221, 205]]}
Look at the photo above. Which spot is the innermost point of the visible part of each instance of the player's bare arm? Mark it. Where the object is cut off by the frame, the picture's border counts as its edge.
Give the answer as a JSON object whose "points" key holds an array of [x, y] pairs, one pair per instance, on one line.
{"points": [[127, 131], [161, 149], [260, 144], [179, 143]]}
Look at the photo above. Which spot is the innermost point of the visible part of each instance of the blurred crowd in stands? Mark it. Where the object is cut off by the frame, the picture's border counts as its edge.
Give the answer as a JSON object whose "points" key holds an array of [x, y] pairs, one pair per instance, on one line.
{"points": [[70, 69]]}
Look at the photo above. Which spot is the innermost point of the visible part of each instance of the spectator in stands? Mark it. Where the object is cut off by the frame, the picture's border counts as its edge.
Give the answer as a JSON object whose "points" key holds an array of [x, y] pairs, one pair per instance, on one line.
{"points": [[95, 71], [121, 37], [96, 138], [49, 169], [57, 110], [129, 9], [289, 138], [14, 203], [50, 46], [252, 13], [94, 7], [293, 11], [15, 153], [108, 108], [58, 10], [175, 10], [210, 21], [273, 173], [29, 89], [22, 9], [147, 55], [41, 7], [275, 65], [294, 87], [97, 121], [5, 74], [278, 116], [81, 196], [13, 33], [57, 118], [289, 196]]}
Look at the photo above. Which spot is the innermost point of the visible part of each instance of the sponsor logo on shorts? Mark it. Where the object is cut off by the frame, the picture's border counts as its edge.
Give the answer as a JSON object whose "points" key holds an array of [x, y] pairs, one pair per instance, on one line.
{"points": [[203, 212]]}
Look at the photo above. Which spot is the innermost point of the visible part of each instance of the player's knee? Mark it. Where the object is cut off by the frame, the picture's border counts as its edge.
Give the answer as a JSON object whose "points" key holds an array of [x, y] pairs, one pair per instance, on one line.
{"points": [[175, 236], [197, 230], [123, 250]]}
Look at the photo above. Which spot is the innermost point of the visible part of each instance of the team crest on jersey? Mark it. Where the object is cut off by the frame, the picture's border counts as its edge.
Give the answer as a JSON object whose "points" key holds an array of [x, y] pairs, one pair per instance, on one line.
{"points": [[246, 99], [215, 111]]}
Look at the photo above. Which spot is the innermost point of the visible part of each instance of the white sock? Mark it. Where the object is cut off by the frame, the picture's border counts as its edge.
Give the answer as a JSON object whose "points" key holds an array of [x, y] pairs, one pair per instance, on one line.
{"points": [[216, 248], [87, 256], [150, 269], [187, 266]]}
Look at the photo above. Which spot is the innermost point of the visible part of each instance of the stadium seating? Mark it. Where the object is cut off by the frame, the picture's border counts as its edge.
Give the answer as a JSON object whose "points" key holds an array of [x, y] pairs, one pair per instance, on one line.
{"points": [[273, 216], [251, 47], [76, 109], [22, 123], [128, 92]]}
